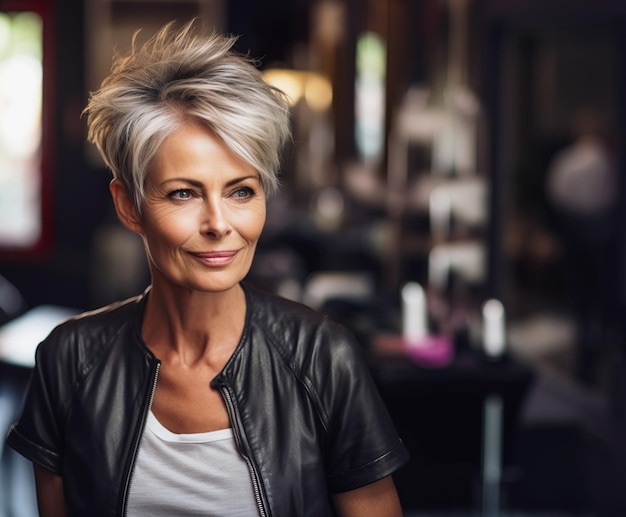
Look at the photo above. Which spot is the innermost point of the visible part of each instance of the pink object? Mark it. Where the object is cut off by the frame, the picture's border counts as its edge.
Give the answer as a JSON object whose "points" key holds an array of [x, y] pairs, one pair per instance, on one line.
{"points": [[432, 351]]}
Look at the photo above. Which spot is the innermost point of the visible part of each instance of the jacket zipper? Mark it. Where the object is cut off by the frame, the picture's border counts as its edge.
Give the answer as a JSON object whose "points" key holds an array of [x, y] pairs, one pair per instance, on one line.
{"points": [[138, 441], [230, 406]]}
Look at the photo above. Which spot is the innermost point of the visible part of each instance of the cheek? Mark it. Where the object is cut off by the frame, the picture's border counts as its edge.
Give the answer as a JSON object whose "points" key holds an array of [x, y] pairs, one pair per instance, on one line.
{"points": [[169, 229], [254, 223]]}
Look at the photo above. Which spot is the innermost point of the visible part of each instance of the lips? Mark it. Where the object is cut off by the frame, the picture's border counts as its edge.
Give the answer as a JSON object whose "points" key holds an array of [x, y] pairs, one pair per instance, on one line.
{"points": [[216, 258]]}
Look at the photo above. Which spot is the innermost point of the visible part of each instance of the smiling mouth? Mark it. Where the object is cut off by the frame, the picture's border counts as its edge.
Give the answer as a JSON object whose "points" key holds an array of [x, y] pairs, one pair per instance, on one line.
{"points": [[216, 258]]}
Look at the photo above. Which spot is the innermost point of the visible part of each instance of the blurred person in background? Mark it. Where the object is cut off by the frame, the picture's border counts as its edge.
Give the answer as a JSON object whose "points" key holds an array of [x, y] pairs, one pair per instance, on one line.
{"points": [[203, 395], [582, 188]]}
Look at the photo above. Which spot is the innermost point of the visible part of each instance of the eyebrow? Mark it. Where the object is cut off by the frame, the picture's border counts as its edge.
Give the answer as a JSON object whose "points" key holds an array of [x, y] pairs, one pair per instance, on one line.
{"points": [[198, 184]]}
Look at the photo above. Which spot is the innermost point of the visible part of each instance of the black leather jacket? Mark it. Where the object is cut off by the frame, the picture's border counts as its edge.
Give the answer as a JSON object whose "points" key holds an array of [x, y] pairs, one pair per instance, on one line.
{"points": [[304, 410]]}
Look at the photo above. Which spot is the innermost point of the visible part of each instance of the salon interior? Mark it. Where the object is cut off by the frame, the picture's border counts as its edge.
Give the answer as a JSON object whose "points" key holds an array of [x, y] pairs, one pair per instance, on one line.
{"points": [[436, 144]]}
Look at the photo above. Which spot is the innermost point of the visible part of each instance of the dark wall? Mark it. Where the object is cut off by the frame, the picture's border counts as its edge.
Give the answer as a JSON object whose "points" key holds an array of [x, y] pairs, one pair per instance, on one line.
{"points": [[268, 29]]}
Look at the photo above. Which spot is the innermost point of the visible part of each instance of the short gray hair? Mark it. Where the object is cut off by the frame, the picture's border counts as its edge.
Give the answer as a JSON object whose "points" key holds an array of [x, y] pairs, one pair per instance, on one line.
{"points": [[178, 76]]}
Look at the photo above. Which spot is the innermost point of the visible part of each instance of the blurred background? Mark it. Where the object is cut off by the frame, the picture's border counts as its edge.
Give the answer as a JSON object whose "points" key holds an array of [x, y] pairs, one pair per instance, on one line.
{"points": [[453, 194]]}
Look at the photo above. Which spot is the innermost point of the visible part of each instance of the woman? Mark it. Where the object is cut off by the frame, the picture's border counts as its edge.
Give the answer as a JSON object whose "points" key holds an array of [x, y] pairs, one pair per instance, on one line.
{"points": [[203, 396]]}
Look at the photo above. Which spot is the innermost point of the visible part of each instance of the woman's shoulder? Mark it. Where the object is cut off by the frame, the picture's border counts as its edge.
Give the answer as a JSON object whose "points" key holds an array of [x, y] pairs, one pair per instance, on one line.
{"points": [[263, 303], [276, 312], [84, 333], [296, 328], [106, 318]]}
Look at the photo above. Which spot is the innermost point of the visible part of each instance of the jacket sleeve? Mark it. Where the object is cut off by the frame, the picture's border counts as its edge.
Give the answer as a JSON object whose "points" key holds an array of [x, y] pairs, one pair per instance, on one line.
{"points": [[38, 433], [363, 445]]}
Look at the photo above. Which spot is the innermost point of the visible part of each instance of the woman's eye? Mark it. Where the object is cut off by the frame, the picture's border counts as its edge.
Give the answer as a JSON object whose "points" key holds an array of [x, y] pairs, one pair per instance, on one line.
{"points": [[243, 193], [181, 194]]}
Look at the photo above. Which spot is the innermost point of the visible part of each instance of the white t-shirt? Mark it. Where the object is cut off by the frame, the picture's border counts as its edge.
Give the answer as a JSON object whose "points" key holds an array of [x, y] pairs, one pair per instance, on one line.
{"points": [[200, 474]]}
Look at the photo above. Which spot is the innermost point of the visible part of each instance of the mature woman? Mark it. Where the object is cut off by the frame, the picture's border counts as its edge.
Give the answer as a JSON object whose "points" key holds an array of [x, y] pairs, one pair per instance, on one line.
{"points": [[203, 396]]}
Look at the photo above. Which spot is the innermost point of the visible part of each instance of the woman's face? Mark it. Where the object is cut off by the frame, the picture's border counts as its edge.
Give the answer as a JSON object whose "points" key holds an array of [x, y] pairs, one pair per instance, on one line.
{"points": [[203, 213]]}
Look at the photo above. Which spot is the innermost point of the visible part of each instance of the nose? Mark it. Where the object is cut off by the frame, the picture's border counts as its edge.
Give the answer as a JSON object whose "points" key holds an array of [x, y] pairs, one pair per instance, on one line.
{"points": [[215, 221]]}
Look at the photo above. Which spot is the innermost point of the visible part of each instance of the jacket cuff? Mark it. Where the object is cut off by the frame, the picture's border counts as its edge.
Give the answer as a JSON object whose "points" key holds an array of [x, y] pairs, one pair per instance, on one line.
{"points": [[381, 467], [32, 451]]}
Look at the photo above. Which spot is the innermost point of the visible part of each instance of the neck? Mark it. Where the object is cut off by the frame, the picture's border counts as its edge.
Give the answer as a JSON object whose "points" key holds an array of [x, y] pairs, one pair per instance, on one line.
{"points": [[193, 325]]}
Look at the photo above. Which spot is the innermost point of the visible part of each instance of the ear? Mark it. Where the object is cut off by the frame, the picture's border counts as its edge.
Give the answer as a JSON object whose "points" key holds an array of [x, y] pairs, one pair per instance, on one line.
{"points": [[126, 210]]}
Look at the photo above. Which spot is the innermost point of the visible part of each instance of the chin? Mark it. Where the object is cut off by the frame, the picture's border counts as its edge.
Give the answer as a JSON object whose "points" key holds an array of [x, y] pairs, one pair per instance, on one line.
{"points": [[215, 285]]}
